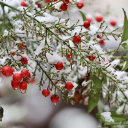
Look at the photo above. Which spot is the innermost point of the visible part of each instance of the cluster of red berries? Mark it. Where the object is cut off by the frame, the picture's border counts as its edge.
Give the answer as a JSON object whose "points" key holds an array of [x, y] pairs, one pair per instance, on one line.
{"points": [[55, 98], [22, 3], [19, 79], [64, 5], [99, 18]]}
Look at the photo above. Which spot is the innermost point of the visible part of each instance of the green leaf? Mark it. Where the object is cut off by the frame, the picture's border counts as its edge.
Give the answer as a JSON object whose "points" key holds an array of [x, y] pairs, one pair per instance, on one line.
{"points": [[126, 65], [94, 95], [124, 45], [1, 113], [117, 117], [83, 16], [125, 29]]}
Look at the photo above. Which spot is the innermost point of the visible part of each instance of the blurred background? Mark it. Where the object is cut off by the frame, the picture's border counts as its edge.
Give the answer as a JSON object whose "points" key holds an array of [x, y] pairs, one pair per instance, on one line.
{"points": [[33, 110]]}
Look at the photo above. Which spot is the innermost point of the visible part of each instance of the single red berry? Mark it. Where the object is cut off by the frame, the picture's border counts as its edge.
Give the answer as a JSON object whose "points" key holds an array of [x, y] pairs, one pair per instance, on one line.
{"points": [[22, 3], [64, 7], [7, 71], [21, 46], [59, 65], [99, 18], [86, 24], [89, 19], [91, 57], [69, 85], [15, 85], [100, 34], [68, 55], [66, 1], [77, 39], [56, 82], [28, 75], [55, 0], [39, 5], [46, 92], [80, 4], [113, 22], [23, 87], [13, 54], [101, 42], [17, 77], [54, 98], [24, 60], [24, 73]]}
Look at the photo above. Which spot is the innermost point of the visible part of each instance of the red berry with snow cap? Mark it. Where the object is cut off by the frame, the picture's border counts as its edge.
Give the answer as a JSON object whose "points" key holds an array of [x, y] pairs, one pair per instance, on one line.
{"points": [[69, 86], [23, 87], [15, 85]]}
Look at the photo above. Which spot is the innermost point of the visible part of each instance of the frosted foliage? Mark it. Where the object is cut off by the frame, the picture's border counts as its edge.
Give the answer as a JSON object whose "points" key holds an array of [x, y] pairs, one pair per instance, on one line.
{"points": [[48, 38], [107, 116]]}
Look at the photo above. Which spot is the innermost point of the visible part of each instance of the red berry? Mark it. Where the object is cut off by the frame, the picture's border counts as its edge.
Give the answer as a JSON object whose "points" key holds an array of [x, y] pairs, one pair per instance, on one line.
{"points": [[100, 34], [77, 39], [21, 46], [89, 19], [17, 77], [64, 7], [59, 65], [66, 1], [91, 57], [46, 92], [54, 98], [28, 75], [99, 18], [15, 85], [113, 22], [24, 60], [24, 73], [101, 42], [69, 55], [80, 4], [22, 3], [23, 87], [13, 54], [69, 85], [39, 5], [7, 71], [86, 24]]}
